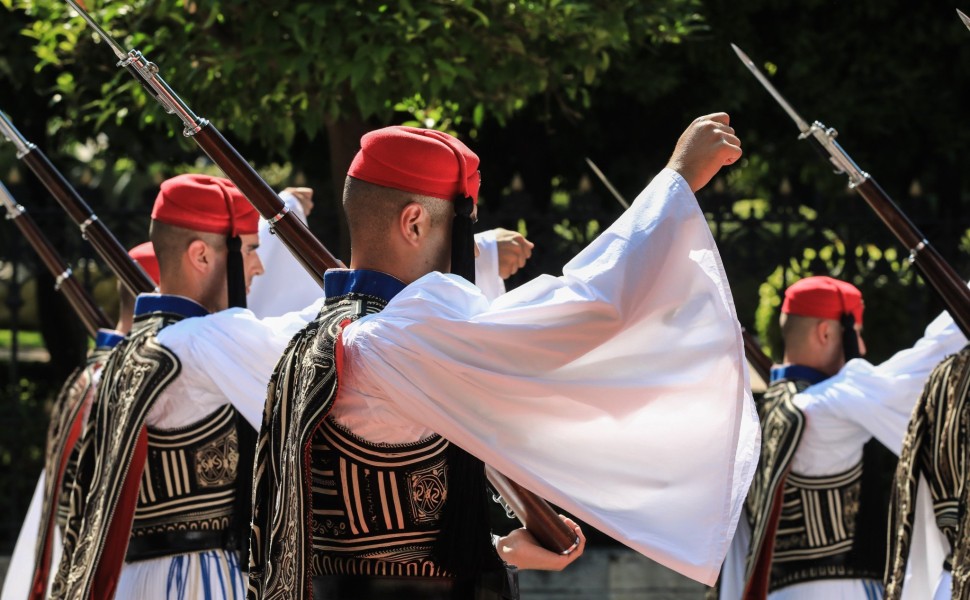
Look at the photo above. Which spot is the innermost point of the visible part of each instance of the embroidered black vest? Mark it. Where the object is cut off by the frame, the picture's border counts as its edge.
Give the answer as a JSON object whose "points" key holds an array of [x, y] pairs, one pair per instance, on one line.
{"points": [[782, 424], [327, 502], [828, 527], [301, 393], [135, 374], [936, 446], [376, 508], [188, 491]]}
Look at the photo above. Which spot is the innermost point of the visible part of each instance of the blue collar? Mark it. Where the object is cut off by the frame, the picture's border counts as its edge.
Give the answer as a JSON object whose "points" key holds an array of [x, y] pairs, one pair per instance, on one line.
{"points": [[168, 303], [340, 282], [797, 372], [107, 338]]}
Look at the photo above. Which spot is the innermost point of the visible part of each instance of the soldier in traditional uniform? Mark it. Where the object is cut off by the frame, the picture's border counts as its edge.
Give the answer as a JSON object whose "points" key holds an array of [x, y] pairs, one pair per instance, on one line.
{"points": [[39, 543], [816, 512], [929, 534], [369, 474], [159, 504]]}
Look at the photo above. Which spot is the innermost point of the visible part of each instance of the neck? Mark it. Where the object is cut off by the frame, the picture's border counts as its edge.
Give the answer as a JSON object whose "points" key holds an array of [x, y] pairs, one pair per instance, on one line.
{"points": [[190, 291], [399, 272], [826, 367]]}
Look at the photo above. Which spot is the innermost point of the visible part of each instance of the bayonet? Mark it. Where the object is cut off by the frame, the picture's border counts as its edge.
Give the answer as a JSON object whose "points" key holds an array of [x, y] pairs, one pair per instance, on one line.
{"points": [[964, 18], [115, 46], [607, 184], [799, 121], [940, 275], [818, 134]]}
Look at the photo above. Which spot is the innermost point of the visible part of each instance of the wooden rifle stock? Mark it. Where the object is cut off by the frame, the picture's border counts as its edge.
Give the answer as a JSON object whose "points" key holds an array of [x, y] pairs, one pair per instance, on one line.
{"points": [[938, 273], [757, 357], [79, 299], [107, 246], [294, 234], [535, 514]]}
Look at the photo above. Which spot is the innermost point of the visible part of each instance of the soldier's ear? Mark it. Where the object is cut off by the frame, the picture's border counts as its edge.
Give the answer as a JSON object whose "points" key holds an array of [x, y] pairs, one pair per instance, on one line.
{"points": [[413, 221], [823, 330], [198, 256]]}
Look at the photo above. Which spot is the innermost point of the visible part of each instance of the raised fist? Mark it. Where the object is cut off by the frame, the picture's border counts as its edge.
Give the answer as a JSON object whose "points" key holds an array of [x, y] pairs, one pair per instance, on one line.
{"points": [[706, 145]]}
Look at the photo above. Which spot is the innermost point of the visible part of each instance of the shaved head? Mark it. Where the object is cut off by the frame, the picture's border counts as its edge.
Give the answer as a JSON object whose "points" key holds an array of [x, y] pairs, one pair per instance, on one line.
{"points": [[795, 329], [171, 242], [372, 212]]}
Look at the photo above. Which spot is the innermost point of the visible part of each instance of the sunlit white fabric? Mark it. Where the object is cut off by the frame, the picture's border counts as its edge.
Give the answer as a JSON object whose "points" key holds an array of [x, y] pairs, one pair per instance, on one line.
{"points": [[618, 391]]}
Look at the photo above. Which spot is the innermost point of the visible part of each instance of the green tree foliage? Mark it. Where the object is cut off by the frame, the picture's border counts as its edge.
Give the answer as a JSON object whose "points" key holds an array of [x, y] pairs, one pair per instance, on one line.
{"points": [[266, 70]]}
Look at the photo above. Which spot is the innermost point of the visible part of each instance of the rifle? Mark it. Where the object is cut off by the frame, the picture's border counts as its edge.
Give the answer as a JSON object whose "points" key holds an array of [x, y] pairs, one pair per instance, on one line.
{"points": [[964, 18], [544, 523], [759, 361], [107, 246], [294, 234], [938, 273], [79, 299]]}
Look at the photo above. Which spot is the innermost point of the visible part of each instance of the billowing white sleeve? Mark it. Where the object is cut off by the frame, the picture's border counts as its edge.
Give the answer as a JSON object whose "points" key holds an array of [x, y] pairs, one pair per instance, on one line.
{"points": [[618, 391], [237, 352], [880, 399], [487, 276], [20, 571], [285, 285]]}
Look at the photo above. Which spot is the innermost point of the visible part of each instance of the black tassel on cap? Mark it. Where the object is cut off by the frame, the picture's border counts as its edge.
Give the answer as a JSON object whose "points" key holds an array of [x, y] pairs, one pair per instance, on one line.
{"points": [[236, 278], [464, 546], [463, 239], [850, 341]]}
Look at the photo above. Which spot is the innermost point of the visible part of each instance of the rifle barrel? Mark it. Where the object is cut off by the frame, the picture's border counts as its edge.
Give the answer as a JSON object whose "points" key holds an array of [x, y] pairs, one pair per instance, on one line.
{"points": [[110, 250], [305, 247], [79, 298], [938, 273], [760, 361]]}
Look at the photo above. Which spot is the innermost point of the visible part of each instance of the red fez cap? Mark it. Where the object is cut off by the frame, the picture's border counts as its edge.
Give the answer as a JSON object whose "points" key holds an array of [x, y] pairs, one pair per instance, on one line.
{"points": [[204, 203], [421, 161], [144, 255], [824, 298]]}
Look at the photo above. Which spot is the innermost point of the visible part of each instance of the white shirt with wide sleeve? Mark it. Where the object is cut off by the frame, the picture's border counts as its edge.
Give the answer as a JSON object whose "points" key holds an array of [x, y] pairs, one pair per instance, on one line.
{"points": [[618, 390]]}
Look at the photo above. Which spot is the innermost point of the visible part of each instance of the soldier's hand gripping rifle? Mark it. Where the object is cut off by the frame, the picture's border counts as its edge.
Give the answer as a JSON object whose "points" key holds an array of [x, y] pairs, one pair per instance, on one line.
{"points": [[543, 522], [79, 299], [294, 234], [938, 273], [759, 361], [107, 246]]}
